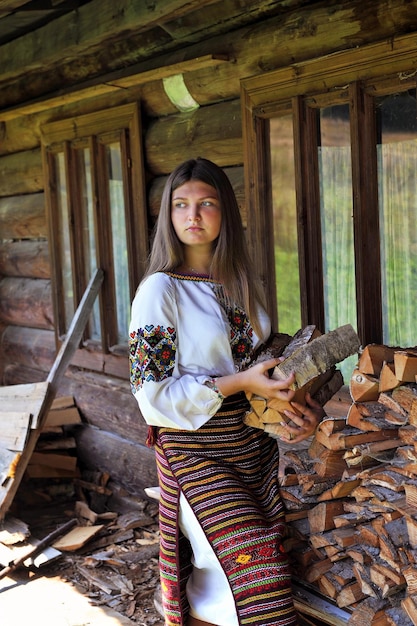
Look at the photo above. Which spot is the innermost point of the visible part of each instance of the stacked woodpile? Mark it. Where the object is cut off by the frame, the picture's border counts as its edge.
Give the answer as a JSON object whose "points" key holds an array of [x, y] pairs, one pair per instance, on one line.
{"points": [[351, 496]]}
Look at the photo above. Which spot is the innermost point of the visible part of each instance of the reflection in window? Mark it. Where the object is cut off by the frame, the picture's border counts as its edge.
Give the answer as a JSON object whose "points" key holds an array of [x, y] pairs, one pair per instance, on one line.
{"points": [[89, 239], [64, 230], [397, 189], [285, 224], [335, 175], [118, 230]]}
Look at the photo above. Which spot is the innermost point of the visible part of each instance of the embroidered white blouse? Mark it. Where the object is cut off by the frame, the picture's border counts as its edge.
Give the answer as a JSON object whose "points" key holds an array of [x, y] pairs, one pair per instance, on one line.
{"points": [[182, 334]]}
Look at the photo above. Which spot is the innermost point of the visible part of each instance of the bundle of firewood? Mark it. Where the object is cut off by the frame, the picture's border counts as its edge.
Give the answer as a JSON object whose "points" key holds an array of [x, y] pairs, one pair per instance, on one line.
{"points": [[312, 357], [351, 496]]}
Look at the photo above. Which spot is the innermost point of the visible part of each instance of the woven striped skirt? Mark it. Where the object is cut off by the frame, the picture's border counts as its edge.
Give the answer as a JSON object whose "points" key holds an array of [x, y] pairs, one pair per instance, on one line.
{"points": [[228, 473]]}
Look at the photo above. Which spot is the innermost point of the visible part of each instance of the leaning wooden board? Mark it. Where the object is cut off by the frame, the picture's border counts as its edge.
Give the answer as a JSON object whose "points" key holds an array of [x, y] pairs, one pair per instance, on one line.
{"points": [[24, 408]]}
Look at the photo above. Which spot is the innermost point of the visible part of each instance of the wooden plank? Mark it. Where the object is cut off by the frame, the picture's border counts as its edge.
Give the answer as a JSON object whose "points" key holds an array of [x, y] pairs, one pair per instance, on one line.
{"points": [[14, 430], [63, 417], [19, 397], [9, 554], [13, 531], [77, 537]]}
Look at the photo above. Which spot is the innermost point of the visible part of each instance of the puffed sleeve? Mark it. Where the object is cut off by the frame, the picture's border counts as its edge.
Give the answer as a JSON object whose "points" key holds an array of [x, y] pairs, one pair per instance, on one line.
{"points": [[165, 396]]}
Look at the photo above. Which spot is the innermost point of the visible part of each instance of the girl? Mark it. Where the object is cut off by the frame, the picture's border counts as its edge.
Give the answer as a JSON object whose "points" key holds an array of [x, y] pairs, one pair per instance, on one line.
{"points": [[197, 319]]}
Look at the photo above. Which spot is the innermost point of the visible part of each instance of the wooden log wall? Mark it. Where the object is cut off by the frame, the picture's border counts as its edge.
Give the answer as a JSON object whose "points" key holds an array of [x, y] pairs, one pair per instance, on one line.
{"points": [[114, 433]]}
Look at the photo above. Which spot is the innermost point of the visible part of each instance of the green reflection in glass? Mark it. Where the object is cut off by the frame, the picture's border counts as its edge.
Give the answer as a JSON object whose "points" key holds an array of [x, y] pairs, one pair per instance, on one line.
{"points": [[285, 224], [397, 192]]}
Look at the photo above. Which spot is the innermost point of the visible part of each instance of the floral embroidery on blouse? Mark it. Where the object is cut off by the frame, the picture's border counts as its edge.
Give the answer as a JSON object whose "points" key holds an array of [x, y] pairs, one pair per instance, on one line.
{"points": [[152, 354], [241, 335], [241, 332]]}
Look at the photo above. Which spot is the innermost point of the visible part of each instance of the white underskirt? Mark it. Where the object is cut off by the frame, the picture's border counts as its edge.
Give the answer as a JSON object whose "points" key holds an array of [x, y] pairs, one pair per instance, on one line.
{"points": [[208, 590]]}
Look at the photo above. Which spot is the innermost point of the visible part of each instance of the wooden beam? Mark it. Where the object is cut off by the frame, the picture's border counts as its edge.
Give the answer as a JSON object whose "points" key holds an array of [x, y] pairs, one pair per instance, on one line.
{"points": [[366, 215], [80, 31], [113, 83], [308, 214]]}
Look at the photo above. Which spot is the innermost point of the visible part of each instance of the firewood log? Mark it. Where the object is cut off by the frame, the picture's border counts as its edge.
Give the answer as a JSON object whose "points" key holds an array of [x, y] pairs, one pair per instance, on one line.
{"points": [[409, 604], [364, 580], [405, 363], [350, 594], [318, 356], [405, 396], [368, 611], [363, 387], [373, 357], [330, 425], [387, 378], [321, 516], [351, 437], [410, 575], [367, 416]]}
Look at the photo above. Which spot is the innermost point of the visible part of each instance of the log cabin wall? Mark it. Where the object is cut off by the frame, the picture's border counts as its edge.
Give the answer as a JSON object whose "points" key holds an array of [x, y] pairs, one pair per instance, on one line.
{"points": [[95, 73]]}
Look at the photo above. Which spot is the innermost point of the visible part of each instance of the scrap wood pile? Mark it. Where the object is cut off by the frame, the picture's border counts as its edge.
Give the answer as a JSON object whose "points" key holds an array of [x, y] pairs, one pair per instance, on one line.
{"points": [[351, 496], [82, 526]]}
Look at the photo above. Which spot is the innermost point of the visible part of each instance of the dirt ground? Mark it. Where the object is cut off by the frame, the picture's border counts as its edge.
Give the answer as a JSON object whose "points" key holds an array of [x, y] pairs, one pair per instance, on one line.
{"points": [[112, 579]]}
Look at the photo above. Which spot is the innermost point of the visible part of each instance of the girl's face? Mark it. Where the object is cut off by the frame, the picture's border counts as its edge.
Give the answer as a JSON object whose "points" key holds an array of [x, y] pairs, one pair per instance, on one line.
{"points": [[196, 213]]}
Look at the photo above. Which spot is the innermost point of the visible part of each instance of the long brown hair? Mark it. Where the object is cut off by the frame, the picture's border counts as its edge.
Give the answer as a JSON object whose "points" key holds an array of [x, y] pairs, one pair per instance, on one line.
{"points": [[231, 264]]}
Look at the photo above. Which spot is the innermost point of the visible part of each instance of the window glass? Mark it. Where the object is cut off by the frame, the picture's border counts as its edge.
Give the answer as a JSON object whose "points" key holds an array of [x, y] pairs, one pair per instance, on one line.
{"points": [[118, 231], [336, 206], [285, 224], [64, 237], [89, 238], [96, 198], [397, 191]]}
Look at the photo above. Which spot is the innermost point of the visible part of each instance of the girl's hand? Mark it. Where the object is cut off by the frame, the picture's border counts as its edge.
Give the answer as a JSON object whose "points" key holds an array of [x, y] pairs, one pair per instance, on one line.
{"points": [[303, 426], [258, 382]]}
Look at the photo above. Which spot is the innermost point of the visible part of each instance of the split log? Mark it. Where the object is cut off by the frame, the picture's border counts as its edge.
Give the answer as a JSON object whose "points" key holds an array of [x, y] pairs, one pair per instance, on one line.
{"points": [[327, 462], [410, 575], [368, 611], [411, 494], [341, 489], [323, 383], [351, 437], [331, 425], [321, 516], [387, 378], [406, 397], [350, 594], [388, 400], [367, 416], [373, 357], [369, 454], [318, 356], [405, 364], [409, 604], [364, 580], [380, 572], [363, 387]]}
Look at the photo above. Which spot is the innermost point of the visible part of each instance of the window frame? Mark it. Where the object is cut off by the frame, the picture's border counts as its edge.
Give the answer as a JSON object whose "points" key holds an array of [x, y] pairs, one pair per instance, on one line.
{"points": [[95, 131], [355, 76]]}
